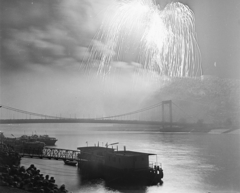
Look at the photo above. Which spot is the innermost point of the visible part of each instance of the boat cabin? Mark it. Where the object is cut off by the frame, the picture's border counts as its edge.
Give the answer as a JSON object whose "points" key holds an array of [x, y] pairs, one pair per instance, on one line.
{"points": [[115, 159], [93, 153], [128, 160]]}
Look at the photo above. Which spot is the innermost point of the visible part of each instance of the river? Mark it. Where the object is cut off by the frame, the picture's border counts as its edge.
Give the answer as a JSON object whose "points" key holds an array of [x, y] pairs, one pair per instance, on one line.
{"points": [[192, 162]]}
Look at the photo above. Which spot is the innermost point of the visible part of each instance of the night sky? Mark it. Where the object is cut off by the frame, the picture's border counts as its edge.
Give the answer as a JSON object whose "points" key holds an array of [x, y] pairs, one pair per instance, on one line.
{"points": [[44, 42]]}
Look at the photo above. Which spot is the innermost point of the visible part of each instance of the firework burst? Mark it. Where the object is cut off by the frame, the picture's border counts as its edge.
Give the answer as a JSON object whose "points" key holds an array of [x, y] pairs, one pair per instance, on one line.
{"points": [[161, 41]]}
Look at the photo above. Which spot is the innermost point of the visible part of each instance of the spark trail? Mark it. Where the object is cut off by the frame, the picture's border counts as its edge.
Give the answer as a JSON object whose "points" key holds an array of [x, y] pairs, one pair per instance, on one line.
{"points": [[160, 41]]}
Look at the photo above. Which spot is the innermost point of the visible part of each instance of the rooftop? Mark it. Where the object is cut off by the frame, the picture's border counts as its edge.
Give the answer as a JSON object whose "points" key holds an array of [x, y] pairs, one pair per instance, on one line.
{"points": [[92, 148], [132, 153], [122, 153]]}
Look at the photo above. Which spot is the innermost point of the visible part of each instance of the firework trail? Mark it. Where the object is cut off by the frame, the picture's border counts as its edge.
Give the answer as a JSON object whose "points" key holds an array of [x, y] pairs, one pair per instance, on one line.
{"points": [[162, 41]]}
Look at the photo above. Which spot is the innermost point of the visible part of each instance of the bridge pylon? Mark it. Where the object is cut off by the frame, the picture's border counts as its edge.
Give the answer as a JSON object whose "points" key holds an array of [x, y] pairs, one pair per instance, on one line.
{"points": [[169, 103]]}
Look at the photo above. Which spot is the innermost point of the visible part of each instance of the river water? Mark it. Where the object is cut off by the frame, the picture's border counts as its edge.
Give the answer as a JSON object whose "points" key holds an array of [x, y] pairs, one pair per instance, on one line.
{"points": [[192, 162]]}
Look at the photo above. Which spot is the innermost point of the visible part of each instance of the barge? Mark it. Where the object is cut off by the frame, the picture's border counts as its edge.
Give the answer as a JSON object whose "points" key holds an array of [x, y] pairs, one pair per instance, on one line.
{"points": [[128, 167], [22, 146], [49, 141]]}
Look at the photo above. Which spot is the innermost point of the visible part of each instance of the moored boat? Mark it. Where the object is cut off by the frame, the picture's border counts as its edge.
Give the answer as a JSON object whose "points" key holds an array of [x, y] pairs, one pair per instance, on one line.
{"points": [[49, 141], [118, 166], [23, 146], [70, 163]]}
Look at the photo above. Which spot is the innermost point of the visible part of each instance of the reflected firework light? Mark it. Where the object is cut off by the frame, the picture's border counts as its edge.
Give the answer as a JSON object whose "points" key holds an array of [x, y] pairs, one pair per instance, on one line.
{"points": [[162, 41]]}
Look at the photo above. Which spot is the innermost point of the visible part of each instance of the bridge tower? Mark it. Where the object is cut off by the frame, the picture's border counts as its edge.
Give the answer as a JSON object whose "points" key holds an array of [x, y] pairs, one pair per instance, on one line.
{"points": [[169, 103]]}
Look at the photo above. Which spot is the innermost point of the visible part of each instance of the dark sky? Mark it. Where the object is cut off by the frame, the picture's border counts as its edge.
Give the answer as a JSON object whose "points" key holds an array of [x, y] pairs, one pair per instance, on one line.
{"points": [[43, 43]]}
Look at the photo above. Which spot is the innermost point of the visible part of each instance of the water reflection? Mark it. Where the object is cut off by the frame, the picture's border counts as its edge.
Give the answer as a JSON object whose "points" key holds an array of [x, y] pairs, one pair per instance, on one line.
{"points": [[100, 185]]}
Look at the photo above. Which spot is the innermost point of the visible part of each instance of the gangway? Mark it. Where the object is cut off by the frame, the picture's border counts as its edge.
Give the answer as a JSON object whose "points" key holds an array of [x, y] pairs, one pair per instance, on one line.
{"points": [[51, 153]]}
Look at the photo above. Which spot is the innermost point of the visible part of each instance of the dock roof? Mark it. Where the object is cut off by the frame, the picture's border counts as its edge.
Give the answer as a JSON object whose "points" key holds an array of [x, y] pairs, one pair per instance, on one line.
{"points": [[93, 148], [120, 153], [131, 153]]}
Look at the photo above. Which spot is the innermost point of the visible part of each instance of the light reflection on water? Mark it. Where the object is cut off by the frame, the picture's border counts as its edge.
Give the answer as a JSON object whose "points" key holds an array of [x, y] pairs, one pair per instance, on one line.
{"points": [[191, 162]]}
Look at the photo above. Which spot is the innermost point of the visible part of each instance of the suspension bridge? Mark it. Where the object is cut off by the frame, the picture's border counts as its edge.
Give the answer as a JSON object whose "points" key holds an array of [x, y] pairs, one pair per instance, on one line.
{"points": [[164, 117]]}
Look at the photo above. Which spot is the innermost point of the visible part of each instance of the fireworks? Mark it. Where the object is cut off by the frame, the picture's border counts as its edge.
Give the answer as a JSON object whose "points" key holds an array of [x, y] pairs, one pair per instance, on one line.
{"points": [[162, 41]]}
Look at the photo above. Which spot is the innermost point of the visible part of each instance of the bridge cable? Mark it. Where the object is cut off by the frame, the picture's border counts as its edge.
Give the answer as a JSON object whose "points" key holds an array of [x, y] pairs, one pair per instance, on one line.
{"points": [[29, 113], [107, 117], [133, 112]]}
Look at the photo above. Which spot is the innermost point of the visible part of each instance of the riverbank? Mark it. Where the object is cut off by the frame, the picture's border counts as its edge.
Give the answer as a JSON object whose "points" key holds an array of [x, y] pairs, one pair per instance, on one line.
{"points": [[16, 178], [29, 179], [6, 189]]}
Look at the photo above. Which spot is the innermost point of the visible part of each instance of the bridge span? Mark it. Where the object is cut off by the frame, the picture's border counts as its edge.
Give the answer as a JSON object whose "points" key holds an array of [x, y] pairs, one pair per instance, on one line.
{"points": [[133, 117], [71, 120], [164, 122], [160, 124]]}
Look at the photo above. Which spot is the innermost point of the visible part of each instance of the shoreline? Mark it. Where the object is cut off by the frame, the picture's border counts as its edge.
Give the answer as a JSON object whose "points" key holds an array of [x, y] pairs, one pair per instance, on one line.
{"points": [[7, 189]]}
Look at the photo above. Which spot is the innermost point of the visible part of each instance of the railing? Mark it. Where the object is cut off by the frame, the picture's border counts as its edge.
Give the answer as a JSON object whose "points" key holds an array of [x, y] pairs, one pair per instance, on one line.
{"points": [[155, 165]]}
